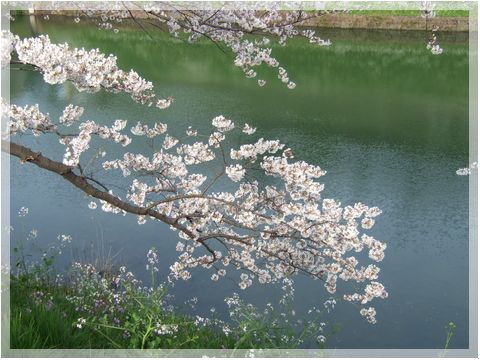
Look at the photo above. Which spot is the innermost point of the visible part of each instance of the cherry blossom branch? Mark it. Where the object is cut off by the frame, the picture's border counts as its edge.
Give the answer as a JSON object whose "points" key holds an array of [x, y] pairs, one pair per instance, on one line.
{"points": [[272, 230], [27, 155], [229, 27], [87, 70]]}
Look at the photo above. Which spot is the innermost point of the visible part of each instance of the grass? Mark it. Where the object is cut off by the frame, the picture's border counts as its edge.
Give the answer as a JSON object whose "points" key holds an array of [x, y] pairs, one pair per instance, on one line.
{"points": [[35, 325], [91, 310], [87, 307]]}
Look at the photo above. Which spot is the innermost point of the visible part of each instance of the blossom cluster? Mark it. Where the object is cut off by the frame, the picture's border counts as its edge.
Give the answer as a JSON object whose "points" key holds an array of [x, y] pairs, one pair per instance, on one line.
{"points": [[468, 170], [71, 114], [271, 231], [230, 26], [152, 260], [141, 130], [369, 314], [299, 236], [427, 11], [433, 44], [76, 145], [27, 118], [88, 70]]}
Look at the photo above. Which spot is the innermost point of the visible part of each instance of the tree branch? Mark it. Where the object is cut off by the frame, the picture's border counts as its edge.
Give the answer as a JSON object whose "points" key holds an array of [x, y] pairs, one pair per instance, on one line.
{"points": [[27, 155]]}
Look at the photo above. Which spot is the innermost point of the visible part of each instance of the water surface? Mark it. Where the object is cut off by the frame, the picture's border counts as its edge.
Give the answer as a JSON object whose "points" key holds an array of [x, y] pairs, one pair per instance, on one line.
{"points": [[385, 118]]}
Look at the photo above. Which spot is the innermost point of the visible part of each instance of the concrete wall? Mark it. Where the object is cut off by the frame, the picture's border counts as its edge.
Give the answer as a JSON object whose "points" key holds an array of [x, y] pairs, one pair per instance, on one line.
{"points": [[350, 21], [388, 22]]}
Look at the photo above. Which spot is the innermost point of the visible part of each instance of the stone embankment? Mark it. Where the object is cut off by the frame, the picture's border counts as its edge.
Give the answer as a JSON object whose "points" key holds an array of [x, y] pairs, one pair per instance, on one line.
{"points": [[350, 21], [354, 21]]}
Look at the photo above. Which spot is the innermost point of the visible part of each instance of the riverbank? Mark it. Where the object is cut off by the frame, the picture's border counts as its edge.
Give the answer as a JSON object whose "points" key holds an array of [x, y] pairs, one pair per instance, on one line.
{"points": [[45, 315], [89, 308], [389, 22], [455, 21]]}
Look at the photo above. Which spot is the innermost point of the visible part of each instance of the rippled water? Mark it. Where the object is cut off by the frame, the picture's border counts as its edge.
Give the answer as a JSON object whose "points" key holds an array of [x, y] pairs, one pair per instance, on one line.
{"points": [[385, 118]]}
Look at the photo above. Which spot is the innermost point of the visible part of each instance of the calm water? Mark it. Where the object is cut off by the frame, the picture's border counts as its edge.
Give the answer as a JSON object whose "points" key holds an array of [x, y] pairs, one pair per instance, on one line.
{"points": [[387, 120]]}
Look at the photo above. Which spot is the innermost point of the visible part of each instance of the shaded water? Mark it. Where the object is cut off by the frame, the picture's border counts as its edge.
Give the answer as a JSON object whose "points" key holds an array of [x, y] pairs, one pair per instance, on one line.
{"points": [[385, 118]]}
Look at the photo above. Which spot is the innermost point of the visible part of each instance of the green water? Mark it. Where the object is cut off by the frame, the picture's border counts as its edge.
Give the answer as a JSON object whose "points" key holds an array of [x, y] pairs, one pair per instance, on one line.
{"points": [[385, 118]]}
